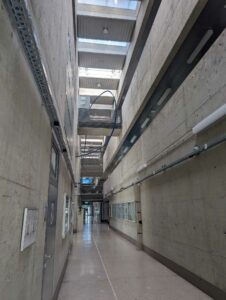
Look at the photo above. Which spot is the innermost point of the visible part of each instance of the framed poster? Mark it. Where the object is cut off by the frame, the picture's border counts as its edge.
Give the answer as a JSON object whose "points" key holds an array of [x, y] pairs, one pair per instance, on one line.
{"points": [[29, 229]]}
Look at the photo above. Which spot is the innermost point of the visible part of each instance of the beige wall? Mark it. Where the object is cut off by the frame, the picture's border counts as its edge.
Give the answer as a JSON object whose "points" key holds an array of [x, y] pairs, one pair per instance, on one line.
{"points": [[25, 144], [172, 23], [183, 208]]}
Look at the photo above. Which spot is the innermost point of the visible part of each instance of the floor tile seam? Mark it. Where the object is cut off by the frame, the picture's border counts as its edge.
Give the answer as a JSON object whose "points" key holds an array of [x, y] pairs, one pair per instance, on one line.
{"points": [[105, 269]]}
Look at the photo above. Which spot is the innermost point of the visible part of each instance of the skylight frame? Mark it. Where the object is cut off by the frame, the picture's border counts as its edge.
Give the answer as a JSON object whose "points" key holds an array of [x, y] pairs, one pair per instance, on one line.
{"points": [[120, 4]]}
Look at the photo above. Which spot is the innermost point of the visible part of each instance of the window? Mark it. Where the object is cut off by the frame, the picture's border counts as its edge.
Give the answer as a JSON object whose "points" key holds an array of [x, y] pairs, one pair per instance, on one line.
{"points": [[131, 211], [66, 216], [124, 211], [123, 4], [54, 161]]}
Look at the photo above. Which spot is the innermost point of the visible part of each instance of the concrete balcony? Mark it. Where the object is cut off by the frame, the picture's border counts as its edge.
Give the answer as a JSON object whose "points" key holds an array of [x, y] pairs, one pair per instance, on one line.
{"points": [[98, 122]]}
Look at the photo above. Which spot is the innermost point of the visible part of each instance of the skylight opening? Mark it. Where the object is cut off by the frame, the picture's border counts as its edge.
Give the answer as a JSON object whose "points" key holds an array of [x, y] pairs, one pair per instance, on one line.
{"points": [[122, 4], [99, 73], [104, 42], [95, 92]]}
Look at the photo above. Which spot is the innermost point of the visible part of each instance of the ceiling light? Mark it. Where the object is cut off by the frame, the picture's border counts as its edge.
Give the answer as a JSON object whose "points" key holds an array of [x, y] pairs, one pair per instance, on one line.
{"points": [[133, 139], [92, 140], [145, 123], [164, 96], [95, 92], [125, 150], [200, 46], [99, 85], [105, 30], [120, 157], [99, 73], [104, 42]]}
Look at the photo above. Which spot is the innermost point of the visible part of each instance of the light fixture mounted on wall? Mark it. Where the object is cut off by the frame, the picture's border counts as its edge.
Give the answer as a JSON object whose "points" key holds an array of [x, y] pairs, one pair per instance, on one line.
{"points": [[105, 30], [200, 46]]}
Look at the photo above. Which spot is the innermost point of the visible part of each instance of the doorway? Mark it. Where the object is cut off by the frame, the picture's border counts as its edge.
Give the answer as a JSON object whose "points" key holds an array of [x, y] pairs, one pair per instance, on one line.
{"points": [[48, 262]]}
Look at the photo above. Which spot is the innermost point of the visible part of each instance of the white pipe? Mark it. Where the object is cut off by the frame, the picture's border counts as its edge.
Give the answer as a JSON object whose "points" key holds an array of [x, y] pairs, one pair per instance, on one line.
{"points": [[211, 119], [142, 167]]}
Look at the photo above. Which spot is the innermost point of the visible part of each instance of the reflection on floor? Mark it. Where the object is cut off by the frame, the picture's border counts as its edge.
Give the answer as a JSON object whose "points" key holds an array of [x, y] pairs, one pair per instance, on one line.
{"points": [[104, 266]]}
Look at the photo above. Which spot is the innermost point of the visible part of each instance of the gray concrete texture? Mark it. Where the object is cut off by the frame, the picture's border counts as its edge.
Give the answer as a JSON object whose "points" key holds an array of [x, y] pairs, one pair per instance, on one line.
{"points": [[25, 136], [160, 48], [183, 209]]}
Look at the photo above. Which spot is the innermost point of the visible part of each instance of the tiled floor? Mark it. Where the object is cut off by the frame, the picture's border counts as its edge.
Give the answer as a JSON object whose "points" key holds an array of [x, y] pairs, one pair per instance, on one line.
{"points": [[104, 266]]}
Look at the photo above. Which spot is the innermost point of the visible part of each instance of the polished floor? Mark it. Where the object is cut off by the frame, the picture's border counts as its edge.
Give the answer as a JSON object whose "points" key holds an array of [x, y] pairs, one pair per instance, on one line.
{"points": [[104, 266]]}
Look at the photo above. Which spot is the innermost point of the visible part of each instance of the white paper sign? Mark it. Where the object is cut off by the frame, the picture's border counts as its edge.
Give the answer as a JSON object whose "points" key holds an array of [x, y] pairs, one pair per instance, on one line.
{"points": [[29, 228]]}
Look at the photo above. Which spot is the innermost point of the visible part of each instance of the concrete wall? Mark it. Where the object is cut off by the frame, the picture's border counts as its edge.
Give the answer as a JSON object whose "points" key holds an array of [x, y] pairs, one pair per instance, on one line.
{"points": [[25, 147], [161, 46], [182, 209]]}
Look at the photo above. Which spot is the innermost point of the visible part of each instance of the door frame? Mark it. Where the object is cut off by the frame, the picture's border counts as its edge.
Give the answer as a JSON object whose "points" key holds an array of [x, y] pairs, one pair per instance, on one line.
{"points": [[53, 180]]}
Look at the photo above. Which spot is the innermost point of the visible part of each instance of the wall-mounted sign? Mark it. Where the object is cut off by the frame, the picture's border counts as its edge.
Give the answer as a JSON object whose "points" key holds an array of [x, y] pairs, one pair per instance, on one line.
{"points": [[29, 227]]}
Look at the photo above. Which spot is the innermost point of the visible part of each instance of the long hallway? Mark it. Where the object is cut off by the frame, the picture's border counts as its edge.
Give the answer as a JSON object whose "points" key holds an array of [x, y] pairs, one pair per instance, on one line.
{"points": [[105, 266], [112, 111]]}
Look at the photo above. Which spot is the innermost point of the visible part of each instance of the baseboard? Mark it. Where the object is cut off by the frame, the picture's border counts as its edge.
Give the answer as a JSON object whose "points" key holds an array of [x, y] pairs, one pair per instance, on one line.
{"points": [[125, 236], [59, 283], [105, 221], [203, 285]]}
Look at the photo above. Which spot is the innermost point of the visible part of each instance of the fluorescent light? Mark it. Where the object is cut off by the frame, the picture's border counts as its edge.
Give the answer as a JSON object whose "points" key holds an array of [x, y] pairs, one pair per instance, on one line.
{"points": [[125, 150], [99, 73], [95, 92], [200, 46], [120, 157], [104, 42], [133, 139], [211, 119], [142, 167], [164, 96], [145, 123], [92, 140]]}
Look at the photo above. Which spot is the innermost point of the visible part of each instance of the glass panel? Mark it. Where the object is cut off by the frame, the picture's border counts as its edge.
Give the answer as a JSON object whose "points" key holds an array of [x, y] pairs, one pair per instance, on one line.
{"points": [[131, 211], [123, 4], [126, 211], [99, 73]]}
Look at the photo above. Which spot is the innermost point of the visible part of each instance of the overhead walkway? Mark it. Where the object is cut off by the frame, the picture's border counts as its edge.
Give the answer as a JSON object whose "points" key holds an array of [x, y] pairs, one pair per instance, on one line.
{"points": [[104, 266]]}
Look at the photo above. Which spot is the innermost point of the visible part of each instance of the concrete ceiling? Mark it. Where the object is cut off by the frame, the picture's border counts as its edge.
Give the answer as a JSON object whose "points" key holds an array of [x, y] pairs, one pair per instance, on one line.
{"points": [[98, 83], [97, 60]]}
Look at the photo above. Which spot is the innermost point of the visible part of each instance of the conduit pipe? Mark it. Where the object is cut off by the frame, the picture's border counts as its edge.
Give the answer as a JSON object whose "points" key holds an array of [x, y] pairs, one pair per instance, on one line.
{"points": [[211, 119], [197, 150]]}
